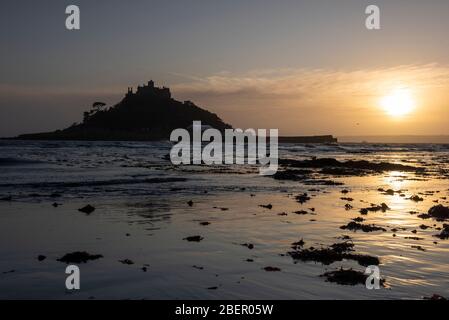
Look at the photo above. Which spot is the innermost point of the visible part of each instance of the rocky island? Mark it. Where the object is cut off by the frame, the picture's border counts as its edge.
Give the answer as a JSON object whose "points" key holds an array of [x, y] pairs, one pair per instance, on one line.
{"points": [[148, 114]]}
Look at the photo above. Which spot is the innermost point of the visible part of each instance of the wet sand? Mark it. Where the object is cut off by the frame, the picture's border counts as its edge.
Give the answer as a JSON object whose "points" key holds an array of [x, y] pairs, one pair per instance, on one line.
{"points": [[242, 252]]}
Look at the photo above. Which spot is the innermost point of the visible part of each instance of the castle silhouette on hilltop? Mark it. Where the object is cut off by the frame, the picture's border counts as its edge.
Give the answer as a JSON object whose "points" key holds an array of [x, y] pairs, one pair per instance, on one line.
{"points": [[149, 90]]}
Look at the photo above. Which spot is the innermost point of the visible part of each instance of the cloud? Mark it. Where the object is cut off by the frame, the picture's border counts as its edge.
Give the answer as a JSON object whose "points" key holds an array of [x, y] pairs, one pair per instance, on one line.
{"points": [[315, 83]]}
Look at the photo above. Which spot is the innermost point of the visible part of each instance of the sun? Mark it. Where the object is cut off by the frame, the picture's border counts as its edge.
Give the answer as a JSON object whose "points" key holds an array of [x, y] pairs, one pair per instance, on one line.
{"points": [[398, 103]]}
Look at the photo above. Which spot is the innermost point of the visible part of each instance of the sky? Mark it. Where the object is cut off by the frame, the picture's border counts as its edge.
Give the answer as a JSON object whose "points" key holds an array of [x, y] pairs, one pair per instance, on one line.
{"points": [[305, 67]]}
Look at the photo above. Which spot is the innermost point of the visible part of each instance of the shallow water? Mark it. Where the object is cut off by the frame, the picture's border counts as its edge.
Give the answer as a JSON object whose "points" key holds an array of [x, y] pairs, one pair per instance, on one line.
{"points": [[137, 192]]}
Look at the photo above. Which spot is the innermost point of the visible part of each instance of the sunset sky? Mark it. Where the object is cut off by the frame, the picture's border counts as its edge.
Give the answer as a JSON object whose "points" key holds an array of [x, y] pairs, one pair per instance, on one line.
{"points": [[305, 67]]}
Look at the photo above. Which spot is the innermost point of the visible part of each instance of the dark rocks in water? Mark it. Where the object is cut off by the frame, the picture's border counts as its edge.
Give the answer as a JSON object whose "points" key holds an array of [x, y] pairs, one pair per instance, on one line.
{"points": [[424, 227], [9, 271], [351, 164], [302, 198], [55, 205], [413, 238], [444, 233], [79, 257], [374, 208], [419, 248], [197, 267], [271, 269], [439, 212], [267, 206], [348, 207], [126, 261], [248, 245], [193, 238], [87, 209], [205, 223], [358, 219], [354, 226], [348, 277], [424, 216], [41, 257], [336, 252], [345, 191], [298, 244], [7, 198], [364, 211], [389, 192], [416, 198], [190, 203], [293, 175], [342, 247], [150, 113], [323, 182], [303, 212], [347, 199], [212, 288]]}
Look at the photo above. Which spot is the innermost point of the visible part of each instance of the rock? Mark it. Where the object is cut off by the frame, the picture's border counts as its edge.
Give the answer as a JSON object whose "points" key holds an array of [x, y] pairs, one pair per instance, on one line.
{"points": [[347, 277], [364, 211], [354, 226], [190, 203], [360, 165], [126, 261], [268, 206], [414, 238], [439, 212], [271, 269], [79, 257], [302, 198], [197, 267], [416, 198], [303, 212], [248, 245], [298, 244], [194, 238], [336, 252], [87, 209], [205, 223], [444, 233], [41, 257]]}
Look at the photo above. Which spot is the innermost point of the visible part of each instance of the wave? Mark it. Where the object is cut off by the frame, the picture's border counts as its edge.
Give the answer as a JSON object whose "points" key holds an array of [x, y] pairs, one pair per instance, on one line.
{"points": [[78, 184]]}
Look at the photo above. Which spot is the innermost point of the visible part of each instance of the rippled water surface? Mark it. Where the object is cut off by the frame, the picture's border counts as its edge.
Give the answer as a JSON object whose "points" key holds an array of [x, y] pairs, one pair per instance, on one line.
{"points": [[142, 215]]}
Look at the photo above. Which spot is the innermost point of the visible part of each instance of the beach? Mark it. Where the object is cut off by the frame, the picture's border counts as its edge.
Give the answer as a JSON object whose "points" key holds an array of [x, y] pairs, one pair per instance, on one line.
{"points": [[218, 232]]}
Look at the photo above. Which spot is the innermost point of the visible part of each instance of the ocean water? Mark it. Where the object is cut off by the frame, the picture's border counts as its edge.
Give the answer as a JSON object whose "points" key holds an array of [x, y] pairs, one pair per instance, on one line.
{"points": [[142, 215]]}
